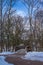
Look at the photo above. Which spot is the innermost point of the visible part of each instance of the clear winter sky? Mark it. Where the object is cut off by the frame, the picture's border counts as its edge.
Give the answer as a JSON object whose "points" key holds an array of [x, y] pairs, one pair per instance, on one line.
{"points": [[20, 8]]}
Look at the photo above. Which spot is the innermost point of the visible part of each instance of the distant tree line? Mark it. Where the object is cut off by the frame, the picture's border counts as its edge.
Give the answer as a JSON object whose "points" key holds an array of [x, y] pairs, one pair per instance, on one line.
{"points": [[12, 26]]}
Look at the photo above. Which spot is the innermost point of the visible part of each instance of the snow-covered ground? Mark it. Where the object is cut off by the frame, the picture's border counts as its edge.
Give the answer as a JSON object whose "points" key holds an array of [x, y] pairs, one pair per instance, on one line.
{"points": [[29, 56], [6, 53], [21, 51], [3, 62], [2, 58], [34, 56]]}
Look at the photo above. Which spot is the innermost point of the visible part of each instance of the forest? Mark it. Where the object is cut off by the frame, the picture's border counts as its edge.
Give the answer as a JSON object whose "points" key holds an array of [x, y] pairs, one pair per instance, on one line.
{"points": [[16, 29]]}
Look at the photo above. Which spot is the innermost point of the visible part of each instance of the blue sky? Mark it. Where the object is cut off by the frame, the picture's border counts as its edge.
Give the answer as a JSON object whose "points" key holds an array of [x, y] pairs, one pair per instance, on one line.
{"points": [[20, 8]]}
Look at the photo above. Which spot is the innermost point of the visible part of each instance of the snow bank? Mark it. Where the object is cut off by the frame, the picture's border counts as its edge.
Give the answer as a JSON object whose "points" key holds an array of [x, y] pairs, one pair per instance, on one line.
{"points": [[6, 53], [21, 51], [34, 56], [3, 62]]}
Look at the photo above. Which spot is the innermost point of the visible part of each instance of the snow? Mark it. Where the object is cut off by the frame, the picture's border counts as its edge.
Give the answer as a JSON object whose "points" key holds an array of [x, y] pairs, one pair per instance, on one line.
{"points": [[38, 56], [2, 58], [21, 51], [3, 62], [6, 53]]}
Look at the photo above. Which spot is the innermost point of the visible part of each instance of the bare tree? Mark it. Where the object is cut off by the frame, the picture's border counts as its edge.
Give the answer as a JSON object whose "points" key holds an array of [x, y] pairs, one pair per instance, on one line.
{"points": [[39, 27], [18, 29], [1, 22], [7, 13], [32, 6], [9, 22]]}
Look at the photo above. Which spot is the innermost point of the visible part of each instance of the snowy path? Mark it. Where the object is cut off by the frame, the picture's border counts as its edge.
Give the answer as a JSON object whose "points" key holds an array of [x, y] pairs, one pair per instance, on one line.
{"points": [[2, 58], [38, 56], [3, 62]]}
